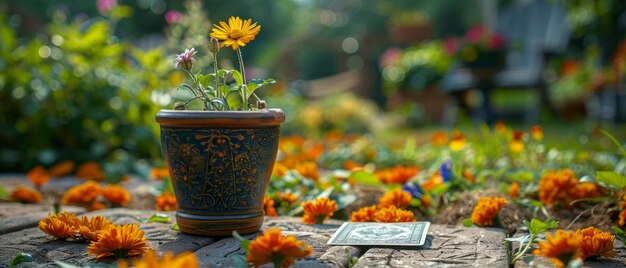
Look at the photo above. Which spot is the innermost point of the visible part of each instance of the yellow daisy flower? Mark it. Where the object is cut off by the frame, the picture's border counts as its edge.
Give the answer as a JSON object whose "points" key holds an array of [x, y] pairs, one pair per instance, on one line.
{"points": [[236, 33]]}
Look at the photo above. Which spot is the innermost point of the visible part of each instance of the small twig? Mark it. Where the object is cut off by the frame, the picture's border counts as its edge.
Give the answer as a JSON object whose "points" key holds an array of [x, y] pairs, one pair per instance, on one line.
{"points": [[188, 101], [578, 217]]}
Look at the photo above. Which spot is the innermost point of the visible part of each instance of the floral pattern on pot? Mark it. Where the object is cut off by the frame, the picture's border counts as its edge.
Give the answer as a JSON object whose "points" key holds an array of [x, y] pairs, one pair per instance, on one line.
{"points": [[220, 170]]}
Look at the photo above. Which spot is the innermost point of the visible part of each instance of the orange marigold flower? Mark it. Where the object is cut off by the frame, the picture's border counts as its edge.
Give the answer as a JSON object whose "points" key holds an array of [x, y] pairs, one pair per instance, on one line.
{"points": [[38, 176], [352, 165], [61, 226], [457, 142], [308, 169], [562, 248], [536, 132], [468, 175], [584, 190], [426, 201], [152, 260], [24, 194], [273, 247], [434, 181], [364, 214], [268, 206], [554, 186], [396, 197], [514, 190], [62, 168], [439, 138], [83, 194], [116, 194], [91, 171], [486, 210], [119, 241], [393, 214], [622, 218], [89, 229], [314, 152], [288, 196], [165, 202], [96, 206], [160, 173], [595, 242], [318, 211], [398, 174]]}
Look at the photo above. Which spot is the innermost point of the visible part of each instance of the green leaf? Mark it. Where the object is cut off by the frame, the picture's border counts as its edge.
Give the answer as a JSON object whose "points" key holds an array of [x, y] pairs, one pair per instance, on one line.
{"points": [[536, 226], [224, 89], [158, 217], [468, 222], [440, 189], [165, 186], [619, 233], [364, 177], [189, 87], [239, 260], [611, 178], [175, 227], [220, 102], [206, 80], [255, 84], [520, 239], [234, 101], [21, 258], [245, 243], [528, 259], [238, 77], [522, 176], [3, 193]]}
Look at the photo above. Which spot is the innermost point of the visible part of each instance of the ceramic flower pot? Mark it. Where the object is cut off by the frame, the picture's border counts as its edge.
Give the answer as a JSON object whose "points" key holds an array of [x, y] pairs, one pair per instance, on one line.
{"points": [[220, 164]]}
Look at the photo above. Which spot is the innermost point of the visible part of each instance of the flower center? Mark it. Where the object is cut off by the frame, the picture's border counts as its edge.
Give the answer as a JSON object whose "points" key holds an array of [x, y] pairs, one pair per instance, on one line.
{"points": [[235, 34]]}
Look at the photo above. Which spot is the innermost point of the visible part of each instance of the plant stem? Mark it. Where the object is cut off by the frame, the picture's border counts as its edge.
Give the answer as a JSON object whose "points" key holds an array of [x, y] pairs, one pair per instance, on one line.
{"points": [[521, 254], [614, 140], [204, 96], [217, 80], [245, 82]]}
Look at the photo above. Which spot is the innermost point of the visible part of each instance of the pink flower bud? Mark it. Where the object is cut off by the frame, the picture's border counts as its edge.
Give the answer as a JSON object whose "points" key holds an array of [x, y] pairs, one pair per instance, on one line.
{"points": [[185, 59]]}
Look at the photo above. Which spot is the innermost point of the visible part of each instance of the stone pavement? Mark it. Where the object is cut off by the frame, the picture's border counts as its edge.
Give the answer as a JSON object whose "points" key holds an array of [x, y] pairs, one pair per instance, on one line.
{"points": [[449, 246], [446, 246]]}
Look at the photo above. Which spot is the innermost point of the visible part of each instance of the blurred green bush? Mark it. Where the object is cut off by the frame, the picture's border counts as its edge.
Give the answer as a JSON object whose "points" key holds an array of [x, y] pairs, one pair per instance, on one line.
{"points": [[414, 68], [77, 92]]}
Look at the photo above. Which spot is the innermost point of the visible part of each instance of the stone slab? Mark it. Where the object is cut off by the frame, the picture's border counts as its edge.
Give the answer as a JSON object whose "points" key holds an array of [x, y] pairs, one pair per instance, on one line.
{"points": [[46, 250], [16, 216], [219, 254], [446, 246]]}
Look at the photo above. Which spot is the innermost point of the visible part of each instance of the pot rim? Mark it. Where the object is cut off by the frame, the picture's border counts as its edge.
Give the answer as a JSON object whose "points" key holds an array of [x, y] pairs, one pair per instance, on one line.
{"points": [[197, 118]]}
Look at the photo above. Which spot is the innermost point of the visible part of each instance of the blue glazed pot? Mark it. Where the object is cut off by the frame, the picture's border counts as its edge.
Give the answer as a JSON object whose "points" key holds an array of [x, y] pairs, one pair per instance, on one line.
{"points": [[220, 164]]}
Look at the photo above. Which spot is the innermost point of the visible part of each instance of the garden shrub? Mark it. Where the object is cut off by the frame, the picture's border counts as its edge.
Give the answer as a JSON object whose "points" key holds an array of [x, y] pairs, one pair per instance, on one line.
{"points": [[75, 91]]}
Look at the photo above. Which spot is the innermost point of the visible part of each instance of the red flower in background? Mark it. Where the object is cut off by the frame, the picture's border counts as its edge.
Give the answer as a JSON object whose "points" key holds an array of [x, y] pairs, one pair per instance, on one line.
{"points": [[481, 35]]}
